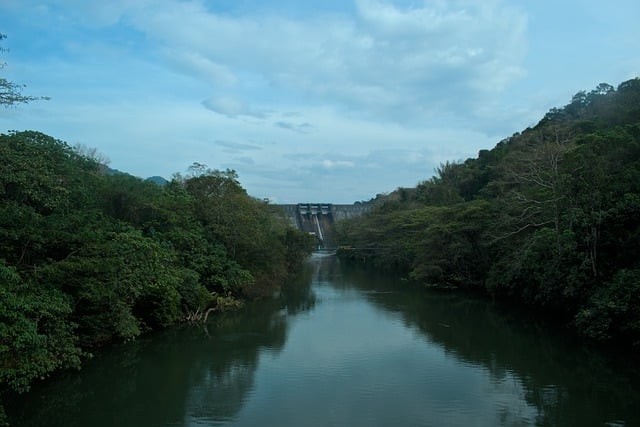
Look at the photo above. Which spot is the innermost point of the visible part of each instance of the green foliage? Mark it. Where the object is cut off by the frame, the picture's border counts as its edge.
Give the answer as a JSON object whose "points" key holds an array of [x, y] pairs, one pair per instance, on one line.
{"points": [[550, 272], [122, 283], [36, 335], [89, 258], [254, 240], [550, 218], [614, 310]]}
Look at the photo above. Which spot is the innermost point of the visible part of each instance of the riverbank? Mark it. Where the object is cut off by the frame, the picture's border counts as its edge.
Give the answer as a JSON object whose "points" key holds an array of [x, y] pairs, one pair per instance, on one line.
{"points": [[342, 345]]}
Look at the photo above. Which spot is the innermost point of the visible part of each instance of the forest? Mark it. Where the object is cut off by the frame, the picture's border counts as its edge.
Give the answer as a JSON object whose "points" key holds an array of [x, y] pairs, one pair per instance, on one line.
{"points": [[90, 257], [548, 219]]}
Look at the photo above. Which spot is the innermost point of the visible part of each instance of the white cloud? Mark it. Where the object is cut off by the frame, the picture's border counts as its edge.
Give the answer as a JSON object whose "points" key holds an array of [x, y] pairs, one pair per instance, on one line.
{"points": [[237, 146], [197, 64], [387, 62], [232, 107], [344, 99], [333, 164], [295, 127], [94, 14], [406, 64]]}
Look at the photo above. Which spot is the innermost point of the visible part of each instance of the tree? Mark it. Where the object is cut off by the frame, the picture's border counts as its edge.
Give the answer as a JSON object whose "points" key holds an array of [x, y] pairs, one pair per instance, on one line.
{"points": [[36, 334], [10, 92], [549, 217], [88, 258], [613, 310]]}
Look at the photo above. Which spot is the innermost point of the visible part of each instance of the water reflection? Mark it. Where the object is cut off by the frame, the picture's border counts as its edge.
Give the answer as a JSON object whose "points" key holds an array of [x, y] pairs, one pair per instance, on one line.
{"points": [[566, 382], [343, 346], [297, 293], [164, 379]]}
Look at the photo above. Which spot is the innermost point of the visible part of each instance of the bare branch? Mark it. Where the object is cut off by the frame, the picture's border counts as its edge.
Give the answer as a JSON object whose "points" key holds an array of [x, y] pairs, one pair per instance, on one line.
{"points": [[11, 93]]}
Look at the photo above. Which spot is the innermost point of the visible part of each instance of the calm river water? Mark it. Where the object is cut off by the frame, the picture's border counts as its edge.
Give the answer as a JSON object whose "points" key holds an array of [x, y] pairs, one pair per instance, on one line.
{"points": [[343, 347]]}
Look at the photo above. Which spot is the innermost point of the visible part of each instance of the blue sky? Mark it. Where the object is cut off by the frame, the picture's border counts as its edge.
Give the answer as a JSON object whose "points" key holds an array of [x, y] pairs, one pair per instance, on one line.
{"points": [[309, 101]]}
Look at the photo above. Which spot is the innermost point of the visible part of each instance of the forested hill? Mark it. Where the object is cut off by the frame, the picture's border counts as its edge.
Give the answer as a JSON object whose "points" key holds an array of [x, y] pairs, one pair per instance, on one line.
{"points": [[549, 217], [88, 257]]}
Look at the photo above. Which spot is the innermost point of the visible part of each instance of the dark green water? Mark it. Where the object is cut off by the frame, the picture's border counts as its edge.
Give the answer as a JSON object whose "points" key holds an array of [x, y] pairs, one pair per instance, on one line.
{"points": [[343, 347]]}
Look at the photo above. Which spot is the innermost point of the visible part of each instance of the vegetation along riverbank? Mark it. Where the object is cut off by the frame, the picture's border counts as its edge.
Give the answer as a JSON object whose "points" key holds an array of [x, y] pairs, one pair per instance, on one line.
{"points": [[89, 257], [550, 218]]}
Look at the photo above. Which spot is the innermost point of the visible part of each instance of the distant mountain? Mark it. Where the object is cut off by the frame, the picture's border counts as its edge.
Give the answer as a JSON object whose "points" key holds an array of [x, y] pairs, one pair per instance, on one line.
{"points": [[155, 179], [158, 180], [110, 171]]}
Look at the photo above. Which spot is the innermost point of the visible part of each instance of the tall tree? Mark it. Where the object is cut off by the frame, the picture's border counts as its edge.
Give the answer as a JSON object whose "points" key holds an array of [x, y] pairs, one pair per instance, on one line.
{"points": [[10, 92]]}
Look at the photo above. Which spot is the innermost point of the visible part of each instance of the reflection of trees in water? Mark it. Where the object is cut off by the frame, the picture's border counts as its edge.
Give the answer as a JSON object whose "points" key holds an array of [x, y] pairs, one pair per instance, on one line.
{"points": [[159, 379], [122, 386], [569, 384], [327, 269], [204, 373], [207, 375], [296, 293], [222, 377]]}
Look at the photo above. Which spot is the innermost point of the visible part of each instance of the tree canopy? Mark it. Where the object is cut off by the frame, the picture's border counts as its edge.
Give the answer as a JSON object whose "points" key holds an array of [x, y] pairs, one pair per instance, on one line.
{"points": [[550, 218], [89, 257]]}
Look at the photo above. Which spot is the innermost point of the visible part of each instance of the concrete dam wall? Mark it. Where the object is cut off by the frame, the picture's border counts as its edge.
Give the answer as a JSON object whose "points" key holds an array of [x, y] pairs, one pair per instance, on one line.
{"points": [[319, 218]]}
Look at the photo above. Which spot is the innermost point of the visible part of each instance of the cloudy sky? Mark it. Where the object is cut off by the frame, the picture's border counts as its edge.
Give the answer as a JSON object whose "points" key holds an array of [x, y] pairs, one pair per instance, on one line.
{"points": [[309, 101]]}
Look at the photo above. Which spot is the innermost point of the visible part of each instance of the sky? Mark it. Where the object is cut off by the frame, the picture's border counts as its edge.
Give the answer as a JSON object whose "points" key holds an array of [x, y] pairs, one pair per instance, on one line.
{"points": [[330, 101]]}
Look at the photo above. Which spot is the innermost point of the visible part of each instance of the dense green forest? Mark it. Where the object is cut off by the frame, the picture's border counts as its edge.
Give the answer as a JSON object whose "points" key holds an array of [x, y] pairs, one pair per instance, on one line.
{"points": [[549, 218], [89, 257]]}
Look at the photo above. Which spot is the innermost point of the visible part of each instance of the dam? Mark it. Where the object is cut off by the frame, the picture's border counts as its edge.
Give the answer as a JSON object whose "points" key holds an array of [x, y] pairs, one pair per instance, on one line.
{"points": [[318, 219]]}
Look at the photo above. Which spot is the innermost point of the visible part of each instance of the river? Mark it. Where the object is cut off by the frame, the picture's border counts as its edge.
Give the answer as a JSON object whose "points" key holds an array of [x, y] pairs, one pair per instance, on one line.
{"points": [[341, 346]]}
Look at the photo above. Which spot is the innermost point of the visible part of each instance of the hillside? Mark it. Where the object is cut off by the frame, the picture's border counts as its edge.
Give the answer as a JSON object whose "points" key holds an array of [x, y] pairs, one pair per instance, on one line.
{"points": [[550, 217], [89, 257]]}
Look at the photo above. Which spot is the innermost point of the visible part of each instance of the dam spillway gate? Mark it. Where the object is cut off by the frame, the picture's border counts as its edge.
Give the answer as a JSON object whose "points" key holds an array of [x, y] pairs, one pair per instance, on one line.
{"points": [[319, 219]]}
